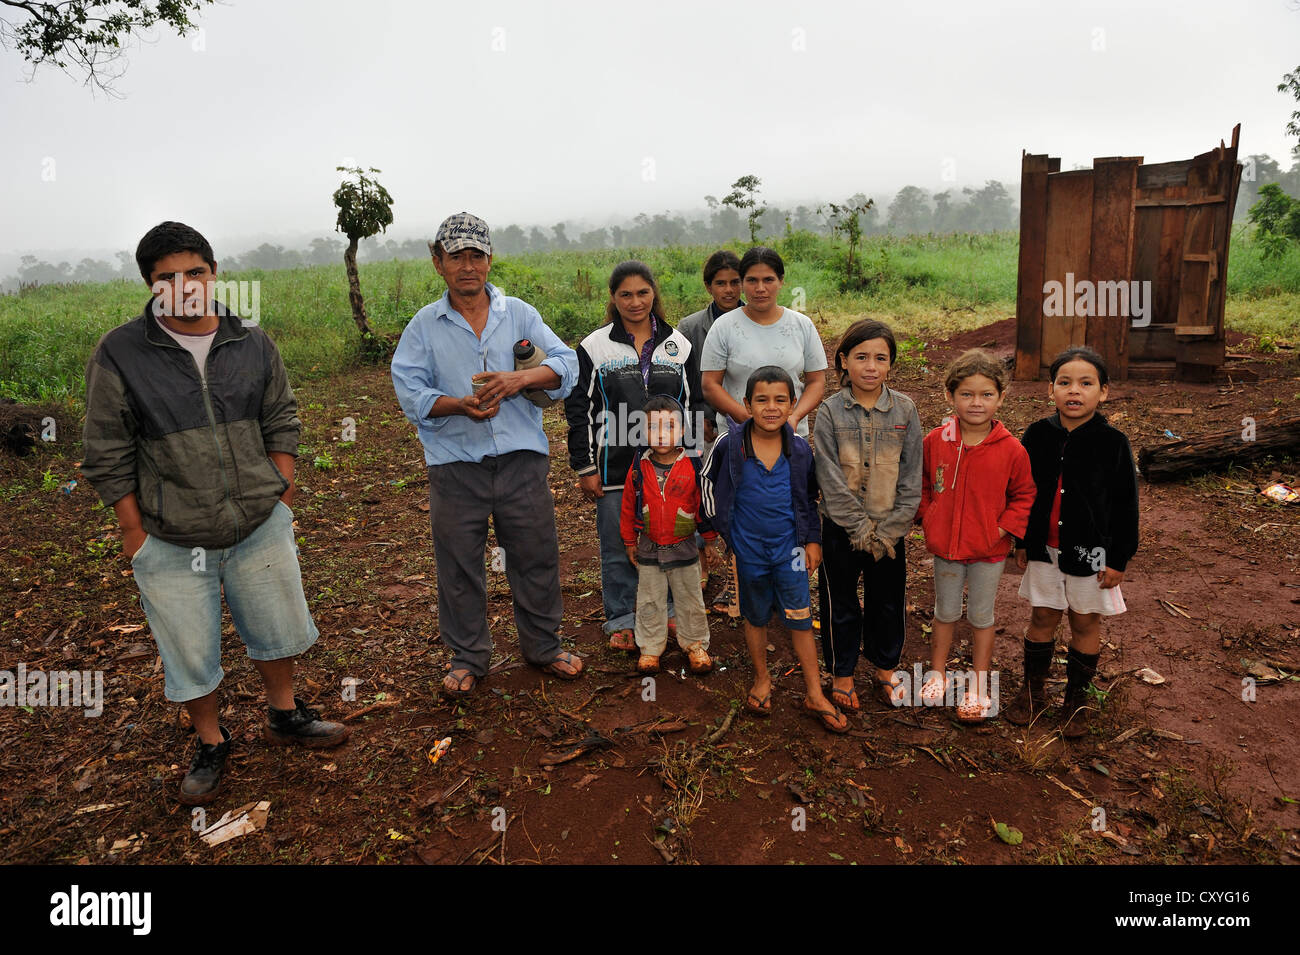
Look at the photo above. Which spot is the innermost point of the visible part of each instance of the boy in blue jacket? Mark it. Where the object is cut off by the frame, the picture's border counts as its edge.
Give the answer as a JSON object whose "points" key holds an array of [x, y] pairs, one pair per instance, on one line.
{"points": [[759, 491]]}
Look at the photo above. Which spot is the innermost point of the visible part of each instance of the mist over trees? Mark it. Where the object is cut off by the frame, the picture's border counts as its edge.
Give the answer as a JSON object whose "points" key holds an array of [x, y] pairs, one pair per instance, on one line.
{"points": [[912, 209], [1261, 170]]}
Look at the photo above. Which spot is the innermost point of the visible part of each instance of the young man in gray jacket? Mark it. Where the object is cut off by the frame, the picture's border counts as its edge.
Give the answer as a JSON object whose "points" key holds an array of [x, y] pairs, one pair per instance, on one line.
{"points": [[191, 433]]}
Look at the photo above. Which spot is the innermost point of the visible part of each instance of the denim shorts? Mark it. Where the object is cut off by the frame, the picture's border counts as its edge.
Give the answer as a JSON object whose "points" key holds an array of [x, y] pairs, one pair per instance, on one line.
{"points": [[980, 576], [765, 590], [181, 588]]}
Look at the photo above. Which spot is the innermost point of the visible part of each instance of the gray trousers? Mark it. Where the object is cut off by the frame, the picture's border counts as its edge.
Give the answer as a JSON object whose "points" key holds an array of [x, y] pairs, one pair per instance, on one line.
{"points": [[513, 489]]}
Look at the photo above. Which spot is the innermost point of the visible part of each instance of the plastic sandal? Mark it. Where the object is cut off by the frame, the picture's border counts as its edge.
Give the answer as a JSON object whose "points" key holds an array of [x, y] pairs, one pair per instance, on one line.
{"points": [[828, 718], [700, 661], [933, 690], [974, 708], [892, 694], [564, 657], [847, 699], [622, 640]]}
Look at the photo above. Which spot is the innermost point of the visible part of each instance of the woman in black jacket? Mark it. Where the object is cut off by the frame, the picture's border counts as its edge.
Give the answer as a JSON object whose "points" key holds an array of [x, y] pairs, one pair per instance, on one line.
{"points": [[623, 363]]}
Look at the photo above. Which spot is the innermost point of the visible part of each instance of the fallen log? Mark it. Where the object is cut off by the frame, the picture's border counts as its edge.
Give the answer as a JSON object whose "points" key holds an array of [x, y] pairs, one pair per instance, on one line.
{"points": [[1215, 451]]}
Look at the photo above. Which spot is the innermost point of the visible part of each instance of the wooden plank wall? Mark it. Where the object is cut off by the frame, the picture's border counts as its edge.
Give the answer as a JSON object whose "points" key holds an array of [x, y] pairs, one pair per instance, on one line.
{"points": [[1069, 247], [1113, 183], [1034, 171], [1164, 223]]}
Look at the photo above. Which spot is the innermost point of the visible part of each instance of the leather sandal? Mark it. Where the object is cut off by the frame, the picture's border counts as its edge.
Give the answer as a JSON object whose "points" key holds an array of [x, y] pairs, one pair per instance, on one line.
{"points": [[454, 687], [564, 656]]}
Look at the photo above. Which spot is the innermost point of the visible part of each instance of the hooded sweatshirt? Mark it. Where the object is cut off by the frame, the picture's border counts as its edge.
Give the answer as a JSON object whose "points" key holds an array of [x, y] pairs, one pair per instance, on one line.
{"points": [[967, 493]]}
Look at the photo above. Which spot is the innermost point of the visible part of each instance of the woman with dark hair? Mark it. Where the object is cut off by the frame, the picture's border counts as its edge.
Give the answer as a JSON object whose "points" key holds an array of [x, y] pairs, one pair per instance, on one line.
{"points": [[759, 333], [621, 365]]}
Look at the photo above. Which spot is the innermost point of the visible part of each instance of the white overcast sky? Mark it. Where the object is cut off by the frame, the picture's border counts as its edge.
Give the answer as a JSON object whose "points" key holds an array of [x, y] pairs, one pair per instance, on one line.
{"points": [[533, 112]]}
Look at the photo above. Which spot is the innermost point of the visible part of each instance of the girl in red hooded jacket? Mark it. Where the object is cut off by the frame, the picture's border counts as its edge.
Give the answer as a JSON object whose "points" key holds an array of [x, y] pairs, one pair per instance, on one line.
{"points": [[976, 493]]}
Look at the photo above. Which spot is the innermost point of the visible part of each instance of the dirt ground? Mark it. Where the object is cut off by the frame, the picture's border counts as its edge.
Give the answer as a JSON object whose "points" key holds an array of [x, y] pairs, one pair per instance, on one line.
{"points": [[1183, 771]]}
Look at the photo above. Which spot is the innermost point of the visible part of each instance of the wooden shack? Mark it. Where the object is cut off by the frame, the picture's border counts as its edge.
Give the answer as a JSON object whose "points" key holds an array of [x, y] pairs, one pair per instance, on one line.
{"points": [[1129, 258]]}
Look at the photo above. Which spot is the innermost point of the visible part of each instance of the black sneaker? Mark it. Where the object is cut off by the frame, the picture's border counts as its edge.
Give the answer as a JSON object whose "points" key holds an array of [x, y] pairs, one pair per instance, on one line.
{"points": [[304, 727], [202, 783]]}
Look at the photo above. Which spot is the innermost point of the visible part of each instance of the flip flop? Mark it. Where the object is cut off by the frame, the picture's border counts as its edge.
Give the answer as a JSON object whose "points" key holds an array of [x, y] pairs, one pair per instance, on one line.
{"points": [[622, 640], [564, 657], [849, 699], [460, 690], [825, 717], [757, 706], [891, 694]]}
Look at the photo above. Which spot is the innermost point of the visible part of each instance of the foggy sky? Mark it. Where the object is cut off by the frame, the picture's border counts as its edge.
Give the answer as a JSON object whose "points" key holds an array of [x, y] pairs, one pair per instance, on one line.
{"points": [[536, 112]]}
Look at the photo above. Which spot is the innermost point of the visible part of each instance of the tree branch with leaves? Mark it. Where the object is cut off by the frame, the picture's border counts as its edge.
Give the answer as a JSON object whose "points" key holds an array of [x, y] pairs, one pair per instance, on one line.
{"points": [[1291, 84], [86, 37]]}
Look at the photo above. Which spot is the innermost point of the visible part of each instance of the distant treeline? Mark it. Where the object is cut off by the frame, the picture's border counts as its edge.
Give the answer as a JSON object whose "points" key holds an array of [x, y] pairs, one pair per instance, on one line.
{"points": [[912, 210]]}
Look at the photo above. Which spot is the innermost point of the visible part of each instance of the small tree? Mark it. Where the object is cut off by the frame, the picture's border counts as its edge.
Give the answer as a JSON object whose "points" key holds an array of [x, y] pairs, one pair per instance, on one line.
{"points": [[844, 218], [1277, 220], [744, 195], [365, 209]]}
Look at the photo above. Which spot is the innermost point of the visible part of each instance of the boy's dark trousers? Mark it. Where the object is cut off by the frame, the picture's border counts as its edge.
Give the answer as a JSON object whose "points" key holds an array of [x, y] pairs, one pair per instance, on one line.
{"points": [[849, 630]]}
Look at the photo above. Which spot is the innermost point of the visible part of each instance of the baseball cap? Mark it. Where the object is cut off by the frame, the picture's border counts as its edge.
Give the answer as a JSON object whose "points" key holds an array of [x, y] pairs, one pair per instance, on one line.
{"points": [[464, 231]]}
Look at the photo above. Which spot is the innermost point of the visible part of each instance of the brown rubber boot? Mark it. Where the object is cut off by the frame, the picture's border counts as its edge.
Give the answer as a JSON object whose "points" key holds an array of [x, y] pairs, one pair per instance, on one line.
{"points": [[1078, 710], [1077, 713], [1032, 698]]}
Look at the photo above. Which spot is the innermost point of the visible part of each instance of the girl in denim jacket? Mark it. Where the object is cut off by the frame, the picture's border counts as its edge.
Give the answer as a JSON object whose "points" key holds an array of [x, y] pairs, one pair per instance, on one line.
{"points": [[868, 442]]}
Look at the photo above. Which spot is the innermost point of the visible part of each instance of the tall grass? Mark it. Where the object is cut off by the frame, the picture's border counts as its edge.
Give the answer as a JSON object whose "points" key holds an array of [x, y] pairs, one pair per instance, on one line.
{"points": [[925, 285]]}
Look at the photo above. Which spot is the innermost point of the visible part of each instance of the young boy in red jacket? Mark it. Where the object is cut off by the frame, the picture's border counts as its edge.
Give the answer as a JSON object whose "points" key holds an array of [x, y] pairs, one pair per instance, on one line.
{"points": [[661, 513], [976, 493]]}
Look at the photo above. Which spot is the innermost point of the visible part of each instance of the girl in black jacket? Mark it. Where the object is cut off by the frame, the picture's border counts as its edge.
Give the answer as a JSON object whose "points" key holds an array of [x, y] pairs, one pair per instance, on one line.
{"points": [[1083, 530]]}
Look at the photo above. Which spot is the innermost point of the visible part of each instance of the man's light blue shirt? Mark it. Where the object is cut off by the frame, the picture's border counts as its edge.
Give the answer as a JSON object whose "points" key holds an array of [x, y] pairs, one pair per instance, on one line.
{"points": [[439, 352]]}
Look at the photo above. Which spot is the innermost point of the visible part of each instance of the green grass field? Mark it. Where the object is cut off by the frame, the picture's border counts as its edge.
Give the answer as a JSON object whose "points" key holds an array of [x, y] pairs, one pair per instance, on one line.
{"points": [[926, 286]]}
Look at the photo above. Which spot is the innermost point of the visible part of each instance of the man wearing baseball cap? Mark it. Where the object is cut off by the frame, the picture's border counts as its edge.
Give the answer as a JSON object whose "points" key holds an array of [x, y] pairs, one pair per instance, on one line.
{"points": [[455, 378]]}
